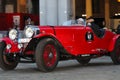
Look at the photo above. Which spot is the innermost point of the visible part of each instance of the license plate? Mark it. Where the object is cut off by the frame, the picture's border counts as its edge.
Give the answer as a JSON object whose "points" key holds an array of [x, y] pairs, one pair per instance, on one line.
{"points": [[24, 40]]}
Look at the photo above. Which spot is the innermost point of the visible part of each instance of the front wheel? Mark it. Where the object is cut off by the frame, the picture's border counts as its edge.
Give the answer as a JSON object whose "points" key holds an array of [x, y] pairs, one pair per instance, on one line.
{"points": [[115, 54], [47, 55], [7, 62]]}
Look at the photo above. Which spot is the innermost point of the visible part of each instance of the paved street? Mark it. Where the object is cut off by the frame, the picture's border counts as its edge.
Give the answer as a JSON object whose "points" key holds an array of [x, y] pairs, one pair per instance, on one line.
{"points": [[98, 69]]}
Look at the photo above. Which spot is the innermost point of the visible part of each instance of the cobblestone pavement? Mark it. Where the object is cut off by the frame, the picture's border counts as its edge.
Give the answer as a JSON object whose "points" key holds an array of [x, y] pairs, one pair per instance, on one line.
{"points": [[98, 69]]}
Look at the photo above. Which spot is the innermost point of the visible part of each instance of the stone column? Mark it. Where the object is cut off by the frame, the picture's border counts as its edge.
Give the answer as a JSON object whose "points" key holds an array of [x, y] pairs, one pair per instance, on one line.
{"points": [[42, 12], [48, 12], [107, 13], [55, 12], [52, 12], [88, 8], [65, 11]]}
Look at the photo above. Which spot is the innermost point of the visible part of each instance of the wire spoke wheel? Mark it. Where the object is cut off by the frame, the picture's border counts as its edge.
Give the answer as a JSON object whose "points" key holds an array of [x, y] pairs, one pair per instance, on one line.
{"points": [[47, 55]]}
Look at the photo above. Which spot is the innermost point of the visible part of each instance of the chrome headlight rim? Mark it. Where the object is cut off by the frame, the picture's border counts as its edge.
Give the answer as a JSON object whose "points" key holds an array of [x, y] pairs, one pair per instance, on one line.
{"points": [[29, 32], [13, 34]]}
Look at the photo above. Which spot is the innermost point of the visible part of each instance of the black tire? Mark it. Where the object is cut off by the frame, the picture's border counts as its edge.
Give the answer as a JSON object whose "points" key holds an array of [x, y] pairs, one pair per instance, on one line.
{"points": [[83, 61], [46, 55], [115, 54], [6, 62]]}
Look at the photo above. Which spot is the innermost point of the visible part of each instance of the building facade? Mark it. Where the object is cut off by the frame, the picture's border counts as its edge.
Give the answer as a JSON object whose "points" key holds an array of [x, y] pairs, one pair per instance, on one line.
{"points": [[19, 6], [55, 12]]}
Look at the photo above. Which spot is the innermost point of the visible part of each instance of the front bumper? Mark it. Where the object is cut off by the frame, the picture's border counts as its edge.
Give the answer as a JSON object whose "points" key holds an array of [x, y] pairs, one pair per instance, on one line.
{"points": [[17, 46]]}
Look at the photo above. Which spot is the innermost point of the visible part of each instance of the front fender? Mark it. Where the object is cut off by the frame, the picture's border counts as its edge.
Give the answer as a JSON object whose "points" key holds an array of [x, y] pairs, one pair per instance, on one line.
{"points": [[34, 41], [6, 40], [14, 45], [113, 42], [45, 35]]}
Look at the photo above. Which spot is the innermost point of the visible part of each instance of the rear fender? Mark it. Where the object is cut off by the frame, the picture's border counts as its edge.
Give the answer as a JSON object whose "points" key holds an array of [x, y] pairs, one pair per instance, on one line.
{"points": [[112, 43]]}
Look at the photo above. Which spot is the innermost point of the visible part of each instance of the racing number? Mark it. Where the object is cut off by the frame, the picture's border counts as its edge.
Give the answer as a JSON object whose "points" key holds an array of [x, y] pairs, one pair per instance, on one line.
{"points": [[89, 36]]}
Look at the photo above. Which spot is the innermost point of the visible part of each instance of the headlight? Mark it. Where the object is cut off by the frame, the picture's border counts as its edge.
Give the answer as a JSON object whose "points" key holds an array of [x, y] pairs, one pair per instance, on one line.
{"points": [[29, 32], [13, 34]]}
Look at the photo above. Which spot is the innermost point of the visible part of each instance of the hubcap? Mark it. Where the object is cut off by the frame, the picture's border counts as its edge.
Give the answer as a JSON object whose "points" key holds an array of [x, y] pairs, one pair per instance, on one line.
{"points": [[50, 55]]}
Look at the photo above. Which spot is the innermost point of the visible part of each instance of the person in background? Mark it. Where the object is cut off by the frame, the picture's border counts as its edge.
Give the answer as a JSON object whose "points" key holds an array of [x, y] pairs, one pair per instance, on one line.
{"points": [[95, 27], [16, 24], [104, 25], [90, 21], [80, 22]]}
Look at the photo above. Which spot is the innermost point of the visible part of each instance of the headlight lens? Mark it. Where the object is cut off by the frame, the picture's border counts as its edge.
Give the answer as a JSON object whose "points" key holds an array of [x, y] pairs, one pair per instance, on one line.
{"points": [[29, 32], [13, 34]]}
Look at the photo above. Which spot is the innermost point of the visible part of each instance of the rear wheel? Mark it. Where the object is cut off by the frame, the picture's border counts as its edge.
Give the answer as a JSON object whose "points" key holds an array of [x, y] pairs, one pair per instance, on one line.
{"points": [[115, 54], [7, 62], [47, 55], [83, 60]]}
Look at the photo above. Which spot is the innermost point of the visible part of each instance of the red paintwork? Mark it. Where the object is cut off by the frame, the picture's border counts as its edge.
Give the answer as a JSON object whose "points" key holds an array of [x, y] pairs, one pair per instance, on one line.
{"points": [[72, 38], [111, 46], [45, 31], [6, 20]]}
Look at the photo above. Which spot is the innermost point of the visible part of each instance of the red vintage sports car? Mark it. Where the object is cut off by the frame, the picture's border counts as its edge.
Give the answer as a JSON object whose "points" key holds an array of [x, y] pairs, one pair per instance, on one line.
{"points": [[46, 45]]}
